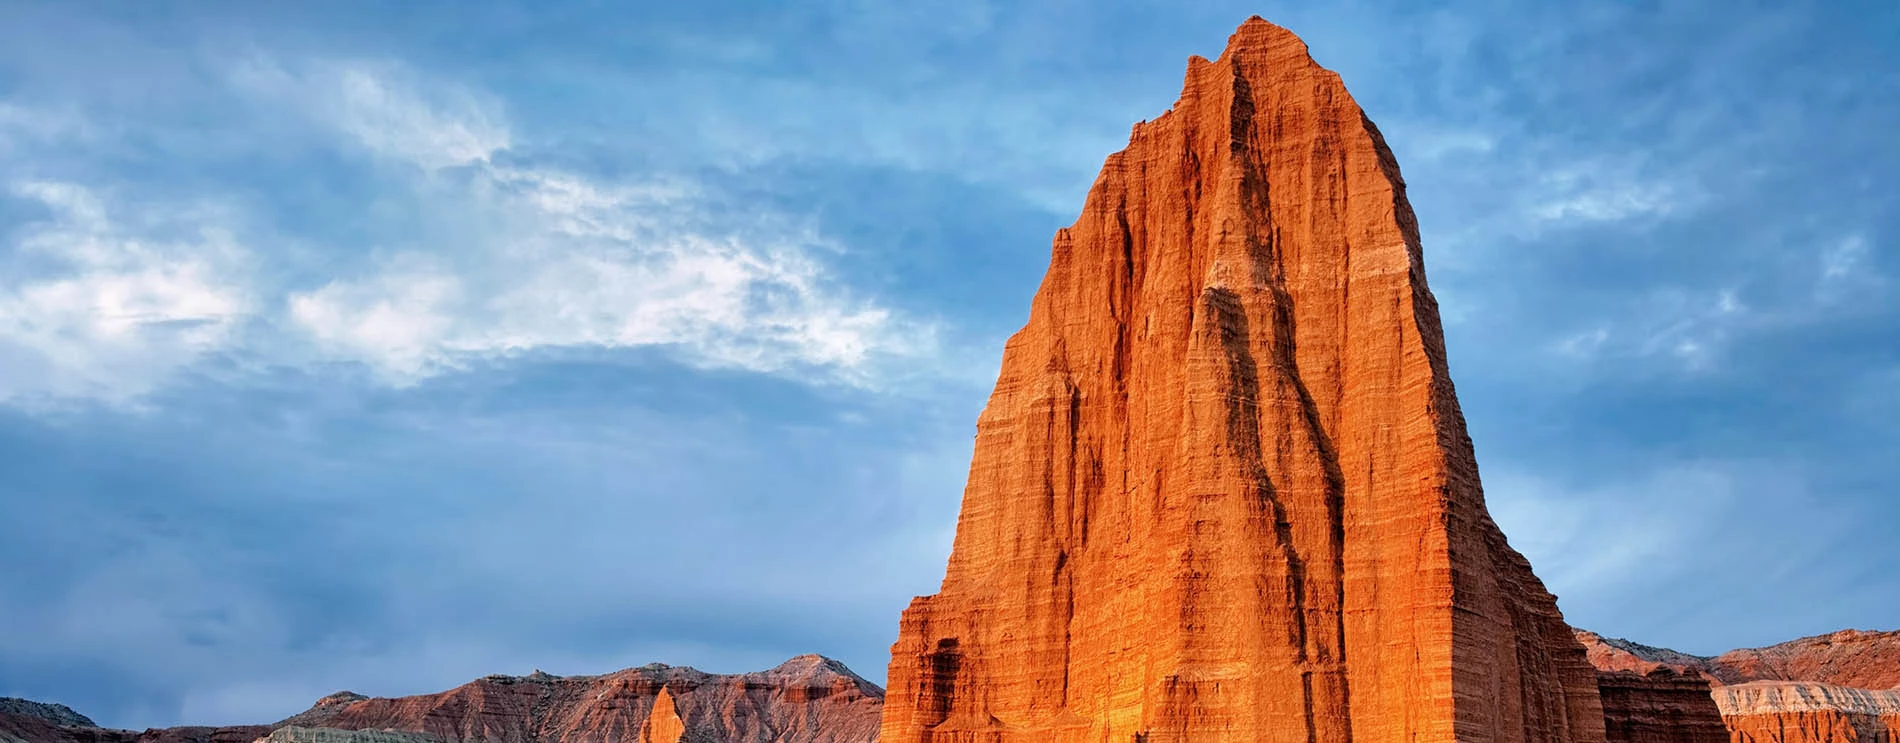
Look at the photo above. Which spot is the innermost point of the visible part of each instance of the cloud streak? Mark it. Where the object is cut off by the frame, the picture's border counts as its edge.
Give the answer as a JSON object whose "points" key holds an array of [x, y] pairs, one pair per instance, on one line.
{"points": [[115, 306], [557, 259]]}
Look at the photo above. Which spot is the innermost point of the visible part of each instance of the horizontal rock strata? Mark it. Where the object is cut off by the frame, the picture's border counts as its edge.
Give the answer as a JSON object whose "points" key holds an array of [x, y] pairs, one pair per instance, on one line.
{"points": [[1781, 693], [1662, 706], [808, 699], [1223, 490], [1796, 712]]}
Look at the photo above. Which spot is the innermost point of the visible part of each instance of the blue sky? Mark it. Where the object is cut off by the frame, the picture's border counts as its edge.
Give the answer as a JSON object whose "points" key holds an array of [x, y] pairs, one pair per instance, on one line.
{"points": [[381, 346]]}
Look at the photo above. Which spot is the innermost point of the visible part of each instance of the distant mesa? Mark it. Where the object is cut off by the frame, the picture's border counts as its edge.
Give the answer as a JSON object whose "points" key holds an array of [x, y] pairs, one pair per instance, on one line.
{"points": [[1842, 687], [808, 699], [1852, 658]]}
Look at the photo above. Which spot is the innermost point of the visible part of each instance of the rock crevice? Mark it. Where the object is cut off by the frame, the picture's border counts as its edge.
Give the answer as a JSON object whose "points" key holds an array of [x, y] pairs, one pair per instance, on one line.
{"points": [[1223, 490]]}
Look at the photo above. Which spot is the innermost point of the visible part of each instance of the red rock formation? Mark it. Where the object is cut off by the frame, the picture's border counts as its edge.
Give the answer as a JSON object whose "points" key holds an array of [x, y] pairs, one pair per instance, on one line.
{"points": [[663, 724], [1796, 692], [1813, 726], [1865, 660], [1852, 658], [1612, 654], [809, 699], [1223, 490], [1662, 706], [1797, 712]]}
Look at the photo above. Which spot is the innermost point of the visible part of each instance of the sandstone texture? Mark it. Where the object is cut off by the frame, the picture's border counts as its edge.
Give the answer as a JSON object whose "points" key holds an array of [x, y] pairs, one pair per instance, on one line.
{"points": [[664, 724], [1798, 712], [1661, 706], [1853, 658], [808, 699], [1866, 660], [1834, 688], [1223, 490]]}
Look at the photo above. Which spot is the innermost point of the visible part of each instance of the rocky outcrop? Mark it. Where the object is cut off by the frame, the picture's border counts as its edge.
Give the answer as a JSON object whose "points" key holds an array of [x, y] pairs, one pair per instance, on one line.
{"points": [[1852, 658], [808, 699], [1223, 490], [20, 728], [57, 714], [1796, 692], [1796, 712], [324, 709], [1661, 706], [1614, 654], [663, 723]]}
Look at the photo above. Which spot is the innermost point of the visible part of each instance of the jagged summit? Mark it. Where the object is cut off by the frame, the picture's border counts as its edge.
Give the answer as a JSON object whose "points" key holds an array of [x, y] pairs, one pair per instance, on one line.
{"points": [[1258, 36]]}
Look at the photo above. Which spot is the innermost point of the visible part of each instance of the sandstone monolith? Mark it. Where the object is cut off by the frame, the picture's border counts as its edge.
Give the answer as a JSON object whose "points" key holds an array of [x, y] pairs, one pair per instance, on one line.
{"points": [[1223, 491]]}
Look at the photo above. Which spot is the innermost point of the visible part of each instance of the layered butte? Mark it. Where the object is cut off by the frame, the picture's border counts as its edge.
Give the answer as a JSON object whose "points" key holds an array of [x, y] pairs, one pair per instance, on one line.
{"points": [[1796, 712], [1852, 658], [1832, 688], [1223, 490]]}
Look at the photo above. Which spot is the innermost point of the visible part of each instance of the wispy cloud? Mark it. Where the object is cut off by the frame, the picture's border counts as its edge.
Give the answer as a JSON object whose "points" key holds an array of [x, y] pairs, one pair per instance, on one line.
{"points": [[1687, 328], [560, 259], [111, 303], [1847, 271], [577, 261], [1595, 193], [382, 107]]}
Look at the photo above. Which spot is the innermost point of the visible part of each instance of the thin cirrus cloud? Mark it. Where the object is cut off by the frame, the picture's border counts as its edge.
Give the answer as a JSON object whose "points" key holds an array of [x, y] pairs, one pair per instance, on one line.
{"points": [[123, 297], [572, 261], [119, 300]]}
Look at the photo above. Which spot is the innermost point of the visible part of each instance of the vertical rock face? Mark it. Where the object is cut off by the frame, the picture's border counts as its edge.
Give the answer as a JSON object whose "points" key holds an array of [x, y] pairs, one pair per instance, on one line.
{"points": [[663, 723], [1223, 490], [1662, 706]]}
